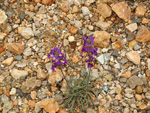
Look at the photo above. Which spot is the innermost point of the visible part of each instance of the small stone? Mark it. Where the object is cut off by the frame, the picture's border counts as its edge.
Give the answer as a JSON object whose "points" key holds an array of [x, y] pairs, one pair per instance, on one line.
{"points": [[101, 39], [134, 57], [126, 74], [33, 95], [77, 2], [140, 11], [90, 27], [18, 57], [27, 51], [103, 25], [105, 88], [16, 48], [65, 42], [13, 91], [104, 58], [118, 97], [37, 1], [75, 9], [143, 35], [65, 7], [117, 45], [101, 110], [70, 16], [131, 36], [55, 77], [138, 97], [85, 10], [31, 104], [126, 110], [37, 107], [71, 38], [73, 30], [47, 2], [62, 111], [145, 21], [139, 89], [123, 80], [30, 84], [78, 24], [118, 90], [17, 74], [8, 61], [49, 105], [132, 27], [89, 110], [2, 35], [108, 77], [3, 17], [136, 47], [22, 15], [27, 33], [132, 43], [134, 81], [7, 106], [147, 95], [75, 59], [104, 10], [41, 74], [122, 10]]}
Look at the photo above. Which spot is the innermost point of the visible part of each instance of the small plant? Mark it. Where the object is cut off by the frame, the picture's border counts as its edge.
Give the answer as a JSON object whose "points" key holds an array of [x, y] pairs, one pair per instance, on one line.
{"points": [[79, 92]]}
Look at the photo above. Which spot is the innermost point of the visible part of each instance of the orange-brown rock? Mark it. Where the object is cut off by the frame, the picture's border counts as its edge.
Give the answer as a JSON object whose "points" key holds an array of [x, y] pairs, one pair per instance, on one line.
{"points": [[37, 1], [145, 21], [47, 2], [8, 61], [122, 10], [117, 45], [33, 95], [102, 39], [2, 50], [140, 11], [31, 104], [134, 57], [16, 48], [126, 74], [73, 30], [104, 10], [49, 105], [143, 34]]}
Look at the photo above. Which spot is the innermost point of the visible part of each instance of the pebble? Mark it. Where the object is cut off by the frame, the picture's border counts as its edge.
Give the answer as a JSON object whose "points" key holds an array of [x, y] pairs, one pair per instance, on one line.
{"points": [[101, 110], [103, 41], [22, 15], [143, 35], [2, 35], [30, 84], [31, 104], [145, 21], [134, 81], [139, 89], [85, 10], [47, 2], [132, 43], [17, 74], [138, 97], [3, 16], [73, 30], [8, 61], [78, 24], [71, 39], [105, 88], [37, 107], [49, 105], [62, 111], [13, 91], [122, 10], [103, 25], [117, 45], [126, 74], [40, 73], [27, 51], [132, 27], [134, 57], [104, 10], [27, 33], [104, 58], [16, 48], [89, 110], [18, 57], [140, 11], [75, 9], [7, 106]]}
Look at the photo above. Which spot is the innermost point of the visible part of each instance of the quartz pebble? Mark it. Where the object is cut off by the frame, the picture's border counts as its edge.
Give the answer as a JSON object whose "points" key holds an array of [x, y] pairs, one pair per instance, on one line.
{"points": [[2, 35], [131, 27], [27, 33], [3, 16], [85, 10], [17, 74], [134, 57], [8, 61]]}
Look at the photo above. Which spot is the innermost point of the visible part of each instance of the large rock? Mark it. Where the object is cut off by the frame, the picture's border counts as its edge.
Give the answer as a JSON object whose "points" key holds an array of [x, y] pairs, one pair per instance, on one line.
{"points": [[143, 34], [134, 81], [49, 105], [15, 48], [3, 17], [30, 84], [17, 74], [122, 10], [101, 39], [134, 57], [104, 10], [140, 11]]}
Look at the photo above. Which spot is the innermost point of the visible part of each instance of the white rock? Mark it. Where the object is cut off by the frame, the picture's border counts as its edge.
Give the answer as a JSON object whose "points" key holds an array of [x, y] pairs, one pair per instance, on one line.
{"points": [[8, 61], [85, 10], [55, 18], [148, 61], [65, 42], [3, 17], [13, 91], [77, 2], [17, 74], [90, 1], [131, 27], [71, 38], [27, 33], [2, 35], [78, 24], [27, 51], [104, 58], [103, 25]]}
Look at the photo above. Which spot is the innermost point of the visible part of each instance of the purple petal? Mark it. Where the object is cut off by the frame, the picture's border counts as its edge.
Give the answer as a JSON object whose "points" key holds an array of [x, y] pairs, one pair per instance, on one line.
{"points": [[53, 67]]}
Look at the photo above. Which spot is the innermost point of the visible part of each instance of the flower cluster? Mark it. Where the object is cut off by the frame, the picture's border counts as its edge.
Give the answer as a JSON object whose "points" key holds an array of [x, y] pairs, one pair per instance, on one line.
{"points": [[90, 49], [57, 57]]}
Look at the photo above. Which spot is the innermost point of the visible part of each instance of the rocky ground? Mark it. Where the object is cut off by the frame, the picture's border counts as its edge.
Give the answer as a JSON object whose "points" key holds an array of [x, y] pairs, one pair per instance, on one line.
{"points": [[29, 29]]}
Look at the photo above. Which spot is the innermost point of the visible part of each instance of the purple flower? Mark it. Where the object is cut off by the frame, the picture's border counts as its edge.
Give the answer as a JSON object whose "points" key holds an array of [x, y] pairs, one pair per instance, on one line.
{"points": [[88, 47], [57, 57]]}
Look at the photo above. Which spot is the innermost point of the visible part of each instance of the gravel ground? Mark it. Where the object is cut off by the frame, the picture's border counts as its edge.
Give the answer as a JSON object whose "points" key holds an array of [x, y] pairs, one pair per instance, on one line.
{"points": [[29, 29]]}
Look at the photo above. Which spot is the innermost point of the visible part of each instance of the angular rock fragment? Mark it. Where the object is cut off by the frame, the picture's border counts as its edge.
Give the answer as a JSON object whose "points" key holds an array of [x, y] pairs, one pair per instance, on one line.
{"points": [[134, 57], [3, 16], [16, 48]]}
